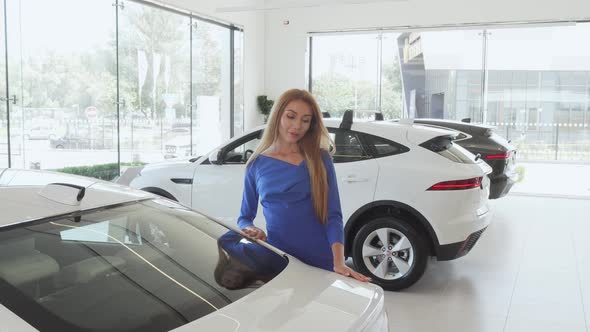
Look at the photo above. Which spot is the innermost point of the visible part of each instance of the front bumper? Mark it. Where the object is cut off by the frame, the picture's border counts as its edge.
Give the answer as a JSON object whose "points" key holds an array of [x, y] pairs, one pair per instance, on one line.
{"points": [[455, 250]]}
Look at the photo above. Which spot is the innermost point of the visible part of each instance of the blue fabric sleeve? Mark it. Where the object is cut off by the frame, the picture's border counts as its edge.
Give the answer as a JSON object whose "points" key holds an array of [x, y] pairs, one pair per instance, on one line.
{"points": [[249, 199], [334, 225]]}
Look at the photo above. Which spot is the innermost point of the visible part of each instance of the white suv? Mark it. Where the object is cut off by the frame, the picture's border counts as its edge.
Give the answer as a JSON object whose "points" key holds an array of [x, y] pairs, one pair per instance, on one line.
{"points": [[407, 192]]}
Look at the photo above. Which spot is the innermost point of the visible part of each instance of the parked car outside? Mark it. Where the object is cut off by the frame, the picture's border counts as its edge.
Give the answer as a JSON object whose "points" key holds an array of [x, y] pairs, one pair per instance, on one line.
{"points": [[177, 143], [494, 149], [81, 143], [40, 133], [80, 254], [407, 192]]}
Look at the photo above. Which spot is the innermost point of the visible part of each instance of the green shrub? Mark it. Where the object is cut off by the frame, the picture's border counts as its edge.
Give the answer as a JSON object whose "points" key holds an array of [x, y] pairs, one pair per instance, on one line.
{"points": [[103, 171]]}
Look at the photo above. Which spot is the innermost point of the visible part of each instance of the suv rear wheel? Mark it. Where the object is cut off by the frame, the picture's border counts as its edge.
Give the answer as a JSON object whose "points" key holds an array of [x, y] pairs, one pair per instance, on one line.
{"points": [[390, 251]]}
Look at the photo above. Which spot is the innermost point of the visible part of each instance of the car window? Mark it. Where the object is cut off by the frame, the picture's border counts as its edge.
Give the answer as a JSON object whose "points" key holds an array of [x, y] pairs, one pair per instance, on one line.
{"points": [[444, 146], [145, 266], [382, 147], [348, 146], [240, 151]]}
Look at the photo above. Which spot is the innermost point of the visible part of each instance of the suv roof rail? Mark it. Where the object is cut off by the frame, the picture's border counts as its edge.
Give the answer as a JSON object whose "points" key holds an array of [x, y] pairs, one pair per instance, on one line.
{"points": [[326, 115], [347, 119], [378, 116]]}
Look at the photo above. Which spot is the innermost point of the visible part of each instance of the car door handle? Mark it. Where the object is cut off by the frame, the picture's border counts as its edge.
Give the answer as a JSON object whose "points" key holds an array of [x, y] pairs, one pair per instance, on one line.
{"points": [[354, 179]]}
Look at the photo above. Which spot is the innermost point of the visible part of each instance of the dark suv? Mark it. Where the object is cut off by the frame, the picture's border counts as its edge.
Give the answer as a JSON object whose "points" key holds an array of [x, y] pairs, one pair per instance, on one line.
{"points": [[499, 153]]}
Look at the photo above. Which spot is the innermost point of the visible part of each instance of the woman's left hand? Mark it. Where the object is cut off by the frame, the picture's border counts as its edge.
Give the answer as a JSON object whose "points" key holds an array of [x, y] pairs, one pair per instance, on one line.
{"points": [[348, 272]]}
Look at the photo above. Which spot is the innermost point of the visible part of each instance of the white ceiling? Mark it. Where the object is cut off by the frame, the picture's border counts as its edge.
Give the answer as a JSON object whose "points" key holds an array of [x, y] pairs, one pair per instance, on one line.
{"points": [[259, 5]]}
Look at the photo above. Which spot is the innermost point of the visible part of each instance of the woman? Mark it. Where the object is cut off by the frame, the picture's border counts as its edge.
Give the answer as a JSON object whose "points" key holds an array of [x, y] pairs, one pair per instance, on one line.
{"points": [[293, 174]]}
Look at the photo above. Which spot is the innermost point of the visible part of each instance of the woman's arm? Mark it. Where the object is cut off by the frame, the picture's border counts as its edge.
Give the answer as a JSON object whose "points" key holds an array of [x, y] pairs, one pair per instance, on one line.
{"points": [[250, 206], [340, 266], [334, 226]]}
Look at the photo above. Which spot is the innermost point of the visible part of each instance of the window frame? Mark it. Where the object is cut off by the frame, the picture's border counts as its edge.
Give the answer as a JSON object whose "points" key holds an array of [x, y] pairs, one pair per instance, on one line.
{"points": [[366, 138], [235, 144], [362, 143]]}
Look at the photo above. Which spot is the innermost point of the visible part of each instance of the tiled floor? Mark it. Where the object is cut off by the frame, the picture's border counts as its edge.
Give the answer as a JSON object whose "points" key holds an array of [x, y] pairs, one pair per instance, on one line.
{"points": [[529, 272]]}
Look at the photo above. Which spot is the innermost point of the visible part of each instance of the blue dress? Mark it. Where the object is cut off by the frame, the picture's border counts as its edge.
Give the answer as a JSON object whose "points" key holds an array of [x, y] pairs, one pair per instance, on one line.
{"points": [[260, 260], [285, 195]]}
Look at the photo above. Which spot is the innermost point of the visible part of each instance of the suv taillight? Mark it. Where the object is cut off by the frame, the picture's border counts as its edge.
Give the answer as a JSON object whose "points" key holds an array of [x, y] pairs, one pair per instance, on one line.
{"points": [[505, 155], [458, 184]]}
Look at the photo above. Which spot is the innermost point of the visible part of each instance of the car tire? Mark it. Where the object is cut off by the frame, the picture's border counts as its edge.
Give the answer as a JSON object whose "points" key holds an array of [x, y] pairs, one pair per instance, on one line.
{"points": [[394, 266]]}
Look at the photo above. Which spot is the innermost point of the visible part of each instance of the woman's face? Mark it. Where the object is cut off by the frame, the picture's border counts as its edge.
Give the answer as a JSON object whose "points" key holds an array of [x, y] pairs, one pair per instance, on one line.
{"points": [[295, 121]]}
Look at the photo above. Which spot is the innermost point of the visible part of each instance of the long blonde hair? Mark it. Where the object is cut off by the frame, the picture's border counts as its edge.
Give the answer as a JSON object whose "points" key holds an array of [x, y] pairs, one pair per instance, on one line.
{"points": [[311, 145]]}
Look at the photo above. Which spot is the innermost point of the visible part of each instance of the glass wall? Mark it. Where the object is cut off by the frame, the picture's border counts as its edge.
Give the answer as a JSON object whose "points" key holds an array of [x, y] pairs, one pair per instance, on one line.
{"points": [[210, 86], [238, 83], [453, 74], [391, 89], [88, 90], [539, 90], [532, 84], [346, 72], [3, 96], [59, 80], [154, 76]]}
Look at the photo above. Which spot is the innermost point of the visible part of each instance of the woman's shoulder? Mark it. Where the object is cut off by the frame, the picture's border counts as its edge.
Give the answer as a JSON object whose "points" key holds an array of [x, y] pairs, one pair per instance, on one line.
{"points": [[252, 165]]}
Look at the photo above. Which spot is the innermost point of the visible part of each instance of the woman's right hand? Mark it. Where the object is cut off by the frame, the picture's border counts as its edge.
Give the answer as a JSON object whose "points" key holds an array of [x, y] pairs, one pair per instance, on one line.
{"points": [[255, 232]]}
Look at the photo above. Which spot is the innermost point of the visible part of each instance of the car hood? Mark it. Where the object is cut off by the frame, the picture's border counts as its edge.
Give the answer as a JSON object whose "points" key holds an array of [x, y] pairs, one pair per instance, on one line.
{"points": [[168, 163], [300, 298], [176, 167]]}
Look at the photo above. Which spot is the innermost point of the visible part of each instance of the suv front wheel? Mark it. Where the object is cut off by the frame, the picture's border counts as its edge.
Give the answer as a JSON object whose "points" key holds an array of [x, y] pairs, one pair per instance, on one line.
{"points": [[391, 252]]}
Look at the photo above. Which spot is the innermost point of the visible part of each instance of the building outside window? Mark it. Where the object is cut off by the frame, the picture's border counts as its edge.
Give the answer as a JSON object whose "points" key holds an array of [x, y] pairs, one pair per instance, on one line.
{"points": [[531, 83]]}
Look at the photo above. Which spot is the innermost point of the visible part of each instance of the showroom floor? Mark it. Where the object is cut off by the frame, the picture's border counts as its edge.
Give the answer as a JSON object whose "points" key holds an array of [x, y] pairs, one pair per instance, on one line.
{"points": [[529, 272]]}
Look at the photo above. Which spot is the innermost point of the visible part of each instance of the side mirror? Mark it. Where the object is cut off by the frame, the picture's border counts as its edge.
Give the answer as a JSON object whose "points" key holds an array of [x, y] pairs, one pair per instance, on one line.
{"points": [[216, 157]]}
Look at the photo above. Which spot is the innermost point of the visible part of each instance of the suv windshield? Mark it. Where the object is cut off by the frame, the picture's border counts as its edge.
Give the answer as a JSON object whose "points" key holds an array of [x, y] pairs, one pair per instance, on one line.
{"points": [[147, 266]]}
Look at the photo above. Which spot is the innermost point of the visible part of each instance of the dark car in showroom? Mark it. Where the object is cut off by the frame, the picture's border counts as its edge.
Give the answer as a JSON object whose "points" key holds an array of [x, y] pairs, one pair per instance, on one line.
{"points": [[494, 149]]}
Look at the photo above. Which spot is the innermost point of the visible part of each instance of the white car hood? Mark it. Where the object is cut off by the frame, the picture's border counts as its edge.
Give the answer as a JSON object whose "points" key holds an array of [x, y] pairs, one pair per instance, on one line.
{"points": [[168, 163], [301, 298]]}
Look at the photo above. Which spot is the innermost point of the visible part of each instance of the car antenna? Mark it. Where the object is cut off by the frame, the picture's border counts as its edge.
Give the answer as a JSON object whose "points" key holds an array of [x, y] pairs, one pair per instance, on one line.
{"points": [[466, 120], [347, 120], [81, 190], [326, 115], [378, 116], [64, 193]]}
